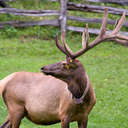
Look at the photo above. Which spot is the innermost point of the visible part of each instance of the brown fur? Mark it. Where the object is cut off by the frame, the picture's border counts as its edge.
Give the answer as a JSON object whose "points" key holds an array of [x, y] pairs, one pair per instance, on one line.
{"points": [[46, 100]]}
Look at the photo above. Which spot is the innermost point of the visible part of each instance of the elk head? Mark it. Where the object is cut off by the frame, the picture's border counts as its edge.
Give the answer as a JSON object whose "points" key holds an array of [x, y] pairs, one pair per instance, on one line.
{"points": [[71, 70], [65, 70]]}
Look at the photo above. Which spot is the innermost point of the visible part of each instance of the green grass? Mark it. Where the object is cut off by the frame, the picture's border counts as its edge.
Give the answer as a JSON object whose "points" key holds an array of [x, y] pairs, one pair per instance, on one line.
{"points": [[106, 65], [30, 48]]}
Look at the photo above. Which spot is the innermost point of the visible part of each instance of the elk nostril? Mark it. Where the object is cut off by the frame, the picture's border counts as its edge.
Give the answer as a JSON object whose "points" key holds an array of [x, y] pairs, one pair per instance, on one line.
{"points": [[42, 68]]}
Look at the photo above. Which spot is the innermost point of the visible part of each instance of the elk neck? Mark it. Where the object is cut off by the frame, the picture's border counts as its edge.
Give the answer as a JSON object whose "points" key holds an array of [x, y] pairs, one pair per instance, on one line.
{"points": [[77, 83]]}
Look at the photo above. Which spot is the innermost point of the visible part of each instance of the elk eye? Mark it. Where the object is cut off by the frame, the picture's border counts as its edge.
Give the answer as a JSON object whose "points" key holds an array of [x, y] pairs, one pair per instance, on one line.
{"points": [[66, 66]]}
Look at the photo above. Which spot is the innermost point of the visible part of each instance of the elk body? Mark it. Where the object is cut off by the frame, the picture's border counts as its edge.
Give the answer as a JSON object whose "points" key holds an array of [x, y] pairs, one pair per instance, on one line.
{"points": [[62, 94]]}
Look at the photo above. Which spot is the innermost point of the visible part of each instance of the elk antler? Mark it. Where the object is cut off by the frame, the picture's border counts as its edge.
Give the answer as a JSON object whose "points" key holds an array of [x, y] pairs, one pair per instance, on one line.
{"points": [[65, 48], [84, 44], [114, 36]]}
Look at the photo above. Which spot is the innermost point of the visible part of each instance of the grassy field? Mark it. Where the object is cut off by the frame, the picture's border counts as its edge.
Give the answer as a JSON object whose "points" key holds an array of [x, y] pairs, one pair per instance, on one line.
{"points": [[29, 49]]}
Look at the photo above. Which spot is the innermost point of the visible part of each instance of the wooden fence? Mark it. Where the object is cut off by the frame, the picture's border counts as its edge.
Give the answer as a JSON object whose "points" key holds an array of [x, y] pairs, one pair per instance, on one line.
{"points": [[63, 16], [120, 2]]}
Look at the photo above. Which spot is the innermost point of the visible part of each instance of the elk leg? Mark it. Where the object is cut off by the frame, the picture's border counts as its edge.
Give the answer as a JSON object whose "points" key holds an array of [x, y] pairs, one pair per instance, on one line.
{"points": [[83, 124], [16, 119], [8, 125], [65, 123], [4, 124], [16, 116]]}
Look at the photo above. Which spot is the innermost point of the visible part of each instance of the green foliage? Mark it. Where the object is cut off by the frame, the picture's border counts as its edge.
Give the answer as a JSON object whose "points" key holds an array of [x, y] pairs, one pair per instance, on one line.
{"points": [[30, 48], [9, 31]]}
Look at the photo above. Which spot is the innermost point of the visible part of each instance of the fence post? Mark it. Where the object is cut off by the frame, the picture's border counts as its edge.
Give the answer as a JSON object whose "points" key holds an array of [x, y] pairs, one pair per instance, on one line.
{"points": [[63, 15]]}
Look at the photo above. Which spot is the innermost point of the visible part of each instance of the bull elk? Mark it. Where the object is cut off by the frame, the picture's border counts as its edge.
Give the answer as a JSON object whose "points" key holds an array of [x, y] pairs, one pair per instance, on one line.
{"points": [[62, 93]]}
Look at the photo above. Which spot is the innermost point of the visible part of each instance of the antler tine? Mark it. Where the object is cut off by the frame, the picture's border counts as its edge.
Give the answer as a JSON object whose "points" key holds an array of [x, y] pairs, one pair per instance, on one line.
{"points": [[102, 33], [85, 40], [120, 23], [60, 47], [104, 23], [84, 43], [67, 49], [123, 40]]}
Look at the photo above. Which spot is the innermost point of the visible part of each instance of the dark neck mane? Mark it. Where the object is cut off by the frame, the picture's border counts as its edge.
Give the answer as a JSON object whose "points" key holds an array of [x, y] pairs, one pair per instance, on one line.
{"points": [[77, 85]]}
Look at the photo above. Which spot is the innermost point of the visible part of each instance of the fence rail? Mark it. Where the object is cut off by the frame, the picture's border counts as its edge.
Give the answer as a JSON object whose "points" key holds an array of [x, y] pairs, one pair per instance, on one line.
{"points": [[22, 12], [94, 8], [62, 15], [93, 20], [30, 23], [120, 2]]}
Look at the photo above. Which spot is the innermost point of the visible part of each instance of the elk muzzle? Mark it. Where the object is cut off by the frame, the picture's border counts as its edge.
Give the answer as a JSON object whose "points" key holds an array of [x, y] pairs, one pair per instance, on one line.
{"points": [[46, 71], [51, 69]]}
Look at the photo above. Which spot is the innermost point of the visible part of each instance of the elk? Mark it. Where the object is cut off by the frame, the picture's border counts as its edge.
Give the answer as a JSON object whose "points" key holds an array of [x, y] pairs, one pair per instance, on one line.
{"points": [[62, 93]]}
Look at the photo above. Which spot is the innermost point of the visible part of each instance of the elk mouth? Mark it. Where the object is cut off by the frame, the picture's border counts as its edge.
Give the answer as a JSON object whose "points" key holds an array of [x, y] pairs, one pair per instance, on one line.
{"points": [[53, 73], [47, 71]]}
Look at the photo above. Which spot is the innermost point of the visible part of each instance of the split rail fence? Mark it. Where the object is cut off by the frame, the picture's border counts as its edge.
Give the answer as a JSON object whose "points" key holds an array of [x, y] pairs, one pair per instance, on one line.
{"points": [[63, 16]]}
